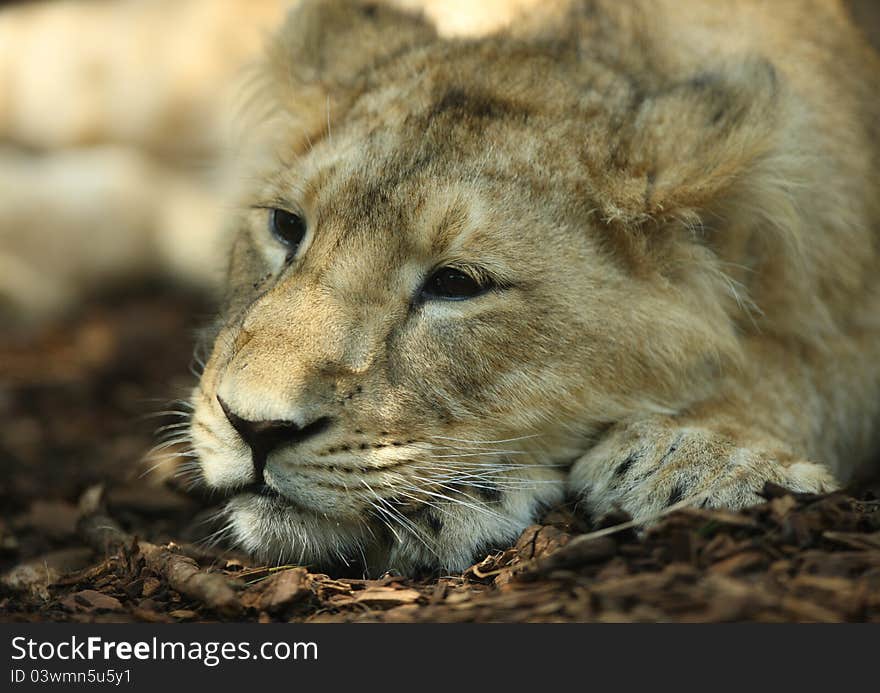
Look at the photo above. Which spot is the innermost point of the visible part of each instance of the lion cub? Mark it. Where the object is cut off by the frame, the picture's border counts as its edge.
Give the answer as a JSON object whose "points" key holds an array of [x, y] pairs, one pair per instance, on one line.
{"points": [[627, 252]]}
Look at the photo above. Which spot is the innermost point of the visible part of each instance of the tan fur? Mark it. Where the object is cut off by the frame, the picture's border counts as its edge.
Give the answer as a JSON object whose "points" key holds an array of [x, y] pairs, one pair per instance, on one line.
{"points": [[677, 202]]}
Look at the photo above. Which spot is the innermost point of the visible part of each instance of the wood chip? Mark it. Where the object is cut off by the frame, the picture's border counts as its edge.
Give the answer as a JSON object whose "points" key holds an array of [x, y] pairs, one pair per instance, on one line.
{"points": [[386, 596], [91, 600]]}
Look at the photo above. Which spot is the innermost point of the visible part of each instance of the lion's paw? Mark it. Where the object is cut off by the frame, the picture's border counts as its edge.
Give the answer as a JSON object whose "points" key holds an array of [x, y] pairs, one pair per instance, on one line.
{"points": [[646, 466]]}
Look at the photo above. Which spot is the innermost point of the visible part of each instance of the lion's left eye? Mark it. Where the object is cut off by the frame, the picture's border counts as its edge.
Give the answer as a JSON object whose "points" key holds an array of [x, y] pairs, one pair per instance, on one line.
{"points": [[452, 284], [287, 227]]}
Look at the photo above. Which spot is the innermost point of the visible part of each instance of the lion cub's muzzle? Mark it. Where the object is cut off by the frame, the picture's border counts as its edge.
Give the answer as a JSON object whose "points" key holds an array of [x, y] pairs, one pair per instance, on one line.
{"points": [[262, 437]]}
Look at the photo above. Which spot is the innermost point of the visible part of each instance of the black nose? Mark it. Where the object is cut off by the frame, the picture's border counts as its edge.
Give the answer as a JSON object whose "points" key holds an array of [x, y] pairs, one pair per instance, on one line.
{"points": [[262, 437]]}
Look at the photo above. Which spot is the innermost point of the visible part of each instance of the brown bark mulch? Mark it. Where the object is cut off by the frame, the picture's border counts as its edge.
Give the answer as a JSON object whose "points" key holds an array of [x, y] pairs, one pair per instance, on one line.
{"points": [[85, 537]]}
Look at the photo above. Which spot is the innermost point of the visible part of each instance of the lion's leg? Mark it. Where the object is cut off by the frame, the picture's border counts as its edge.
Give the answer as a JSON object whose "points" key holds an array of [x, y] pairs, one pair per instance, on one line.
{"points": [[798, 418]]}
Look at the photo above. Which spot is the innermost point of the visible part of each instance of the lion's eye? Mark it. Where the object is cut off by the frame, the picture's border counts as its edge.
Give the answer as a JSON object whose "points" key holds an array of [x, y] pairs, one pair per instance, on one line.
{"points": [[287, 227], [451, 284]]}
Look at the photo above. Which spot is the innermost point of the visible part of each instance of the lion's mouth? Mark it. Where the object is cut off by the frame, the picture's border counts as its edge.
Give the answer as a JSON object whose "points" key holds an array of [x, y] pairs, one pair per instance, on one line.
{"points": [[261, 490]]}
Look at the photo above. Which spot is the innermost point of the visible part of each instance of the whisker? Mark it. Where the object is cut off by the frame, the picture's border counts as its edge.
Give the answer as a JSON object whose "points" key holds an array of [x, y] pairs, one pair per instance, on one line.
{"points": [[424, 501], [399, 518], [172, 427], [458, 501], [500, 453], [487, 442], [171, 455], [496, 466], [166, 413], [421, 445], [164, 445], [161, 461]]}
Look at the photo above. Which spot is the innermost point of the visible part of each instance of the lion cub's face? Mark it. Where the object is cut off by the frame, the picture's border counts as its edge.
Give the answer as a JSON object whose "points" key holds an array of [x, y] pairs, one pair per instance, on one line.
{"points": [[400, 314], [427, 321]]}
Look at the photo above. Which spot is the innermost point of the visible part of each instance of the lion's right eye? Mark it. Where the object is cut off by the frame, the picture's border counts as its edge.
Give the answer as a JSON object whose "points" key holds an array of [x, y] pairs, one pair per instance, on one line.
{"points": [[287, 227]]}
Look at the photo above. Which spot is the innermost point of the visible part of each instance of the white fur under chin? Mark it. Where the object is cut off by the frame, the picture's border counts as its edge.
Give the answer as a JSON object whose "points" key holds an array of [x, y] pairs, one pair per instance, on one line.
{"points": [[276, 533]]}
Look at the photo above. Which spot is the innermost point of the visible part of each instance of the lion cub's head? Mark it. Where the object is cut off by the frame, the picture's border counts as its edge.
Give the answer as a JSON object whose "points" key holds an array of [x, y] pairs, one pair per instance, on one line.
{"points": [[465, 260]]}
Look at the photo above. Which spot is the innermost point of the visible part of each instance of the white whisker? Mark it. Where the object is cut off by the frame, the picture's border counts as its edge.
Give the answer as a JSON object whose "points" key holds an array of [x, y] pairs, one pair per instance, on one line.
{"points": [[487, 442]]}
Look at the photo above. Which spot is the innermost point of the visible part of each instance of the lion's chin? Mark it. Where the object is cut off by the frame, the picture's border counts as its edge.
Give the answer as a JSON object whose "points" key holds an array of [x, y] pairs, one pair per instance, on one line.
{"points": [[275, 531]]}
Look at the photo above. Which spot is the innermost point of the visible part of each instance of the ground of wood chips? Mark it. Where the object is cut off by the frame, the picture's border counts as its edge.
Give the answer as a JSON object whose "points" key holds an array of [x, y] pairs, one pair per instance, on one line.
{"points": [[85, 537]]}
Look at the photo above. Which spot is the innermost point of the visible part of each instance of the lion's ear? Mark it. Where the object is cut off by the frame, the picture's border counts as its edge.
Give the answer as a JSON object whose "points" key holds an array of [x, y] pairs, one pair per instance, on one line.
{"points": [[326, 47], [335, 41], [682, 147]]}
